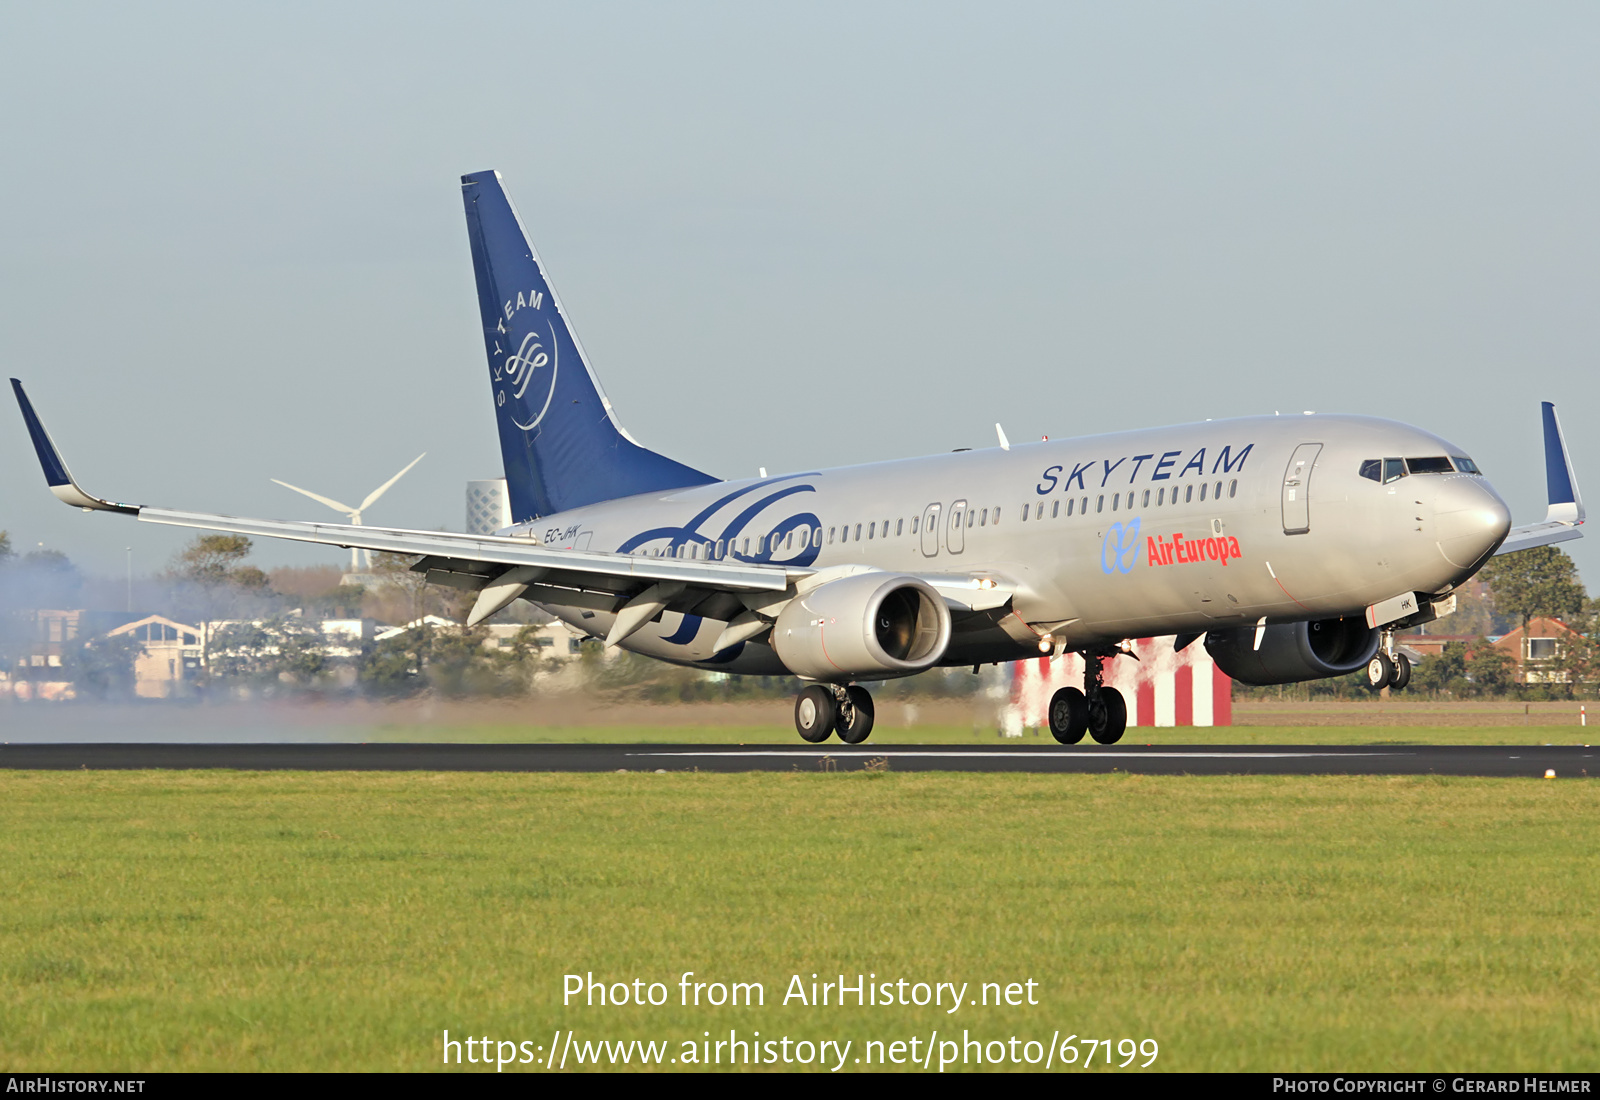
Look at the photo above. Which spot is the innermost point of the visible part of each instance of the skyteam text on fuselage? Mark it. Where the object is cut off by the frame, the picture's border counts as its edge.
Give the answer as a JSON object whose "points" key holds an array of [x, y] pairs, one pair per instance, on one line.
{"points": [[1295, 545]]}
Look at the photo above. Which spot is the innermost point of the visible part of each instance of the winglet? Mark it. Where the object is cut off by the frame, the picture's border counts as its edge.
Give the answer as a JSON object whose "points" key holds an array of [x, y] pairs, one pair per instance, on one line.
{"points": [[1564, 517], [56, 474], [1566, 503]]}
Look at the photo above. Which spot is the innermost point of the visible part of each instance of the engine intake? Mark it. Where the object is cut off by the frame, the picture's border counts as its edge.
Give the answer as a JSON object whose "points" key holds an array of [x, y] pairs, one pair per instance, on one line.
{"points": [[872, 625], [1293, 652]]}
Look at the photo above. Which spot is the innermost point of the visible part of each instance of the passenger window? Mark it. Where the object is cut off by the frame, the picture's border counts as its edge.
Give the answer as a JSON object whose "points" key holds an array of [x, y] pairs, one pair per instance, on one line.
{"points": [[830, 536], [1145, 503], [1116, 498], [1188, 494], [972, 515], [816, 537], [844, 533], [914, 521], [983, 519], [997, 515], [899, 527], [858, 532], [761, 545], [1025, 513], [1216, 491], [872, 530], [747, 546], [1393, 470], [1233, 488], [1100, 504], [719, 548], [788, 543], [1055, 508], [1202, 491], [1372, 469], [1083, 506], [1161, 495]]}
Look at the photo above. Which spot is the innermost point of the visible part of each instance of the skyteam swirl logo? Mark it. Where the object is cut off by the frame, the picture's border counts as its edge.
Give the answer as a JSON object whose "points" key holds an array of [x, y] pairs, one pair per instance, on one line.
{"points": [[521, 371], [1119, 553], [729, 517]]}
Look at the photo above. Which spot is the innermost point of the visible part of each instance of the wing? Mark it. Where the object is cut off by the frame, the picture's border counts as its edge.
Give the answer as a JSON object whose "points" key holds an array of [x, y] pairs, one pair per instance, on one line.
{"points": [[1564, 515], [501, 568]]}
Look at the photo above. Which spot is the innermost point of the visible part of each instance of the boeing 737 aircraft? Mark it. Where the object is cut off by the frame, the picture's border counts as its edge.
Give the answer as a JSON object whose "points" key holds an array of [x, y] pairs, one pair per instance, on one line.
{"points": [[1296, 546]]}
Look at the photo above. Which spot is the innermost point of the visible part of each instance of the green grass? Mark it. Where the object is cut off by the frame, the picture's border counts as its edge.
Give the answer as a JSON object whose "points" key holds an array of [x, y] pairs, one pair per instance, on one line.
{"points": [[209, 920], [484, 733]]}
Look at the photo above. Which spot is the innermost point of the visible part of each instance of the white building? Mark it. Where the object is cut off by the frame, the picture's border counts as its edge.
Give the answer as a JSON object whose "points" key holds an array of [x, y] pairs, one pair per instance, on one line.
{"points": [[488, 506]]}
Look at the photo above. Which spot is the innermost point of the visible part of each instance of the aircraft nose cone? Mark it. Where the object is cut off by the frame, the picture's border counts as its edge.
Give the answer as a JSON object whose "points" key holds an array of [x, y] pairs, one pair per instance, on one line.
{"points": [[1470, 518]]}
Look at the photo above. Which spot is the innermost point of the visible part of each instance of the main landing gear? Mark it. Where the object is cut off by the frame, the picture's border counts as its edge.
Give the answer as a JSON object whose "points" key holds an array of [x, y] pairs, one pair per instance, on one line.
{"points": [[822, 709], [1097, 710], [1389, 668]]}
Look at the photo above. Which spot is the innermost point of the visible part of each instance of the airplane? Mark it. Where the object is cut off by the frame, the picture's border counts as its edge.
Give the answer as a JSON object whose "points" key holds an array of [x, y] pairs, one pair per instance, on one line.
{"points": [[1297, 546]]}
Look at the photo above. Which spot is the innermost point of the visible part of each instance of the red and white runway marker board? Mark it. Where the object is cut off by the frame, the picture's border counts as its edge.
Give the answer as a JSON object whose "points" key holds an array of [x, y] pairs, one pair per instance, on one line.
{"points": [[1162, 687]]}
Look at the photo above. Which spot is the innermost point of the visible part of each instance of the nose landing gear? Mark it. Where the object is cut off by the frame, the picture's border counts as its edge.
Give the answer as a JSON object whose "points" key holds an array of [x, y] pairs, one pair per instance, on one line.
{"points": [[1389, 668], [822, 709], [1097, 710]]}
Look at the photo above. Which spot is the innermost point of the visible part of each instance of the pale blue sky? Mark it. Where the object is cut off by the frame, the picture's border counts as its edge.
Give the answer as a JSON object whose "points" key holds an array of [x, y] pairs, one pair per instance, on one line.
{"points": [[790, 236]]}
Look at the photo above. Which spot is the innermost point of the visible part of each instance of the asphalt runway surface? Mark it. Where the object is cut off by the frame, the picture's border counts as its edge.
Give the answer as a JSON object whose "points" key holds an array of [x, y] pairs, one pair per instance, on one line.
{"points": [[1566, 761]]}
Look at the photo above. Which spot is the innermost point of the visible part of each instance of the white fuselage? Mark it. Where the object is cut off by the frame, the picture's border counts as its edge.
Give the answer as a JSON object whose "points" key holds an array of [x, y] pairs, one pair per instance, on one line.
{"points": [[1098, 539]]}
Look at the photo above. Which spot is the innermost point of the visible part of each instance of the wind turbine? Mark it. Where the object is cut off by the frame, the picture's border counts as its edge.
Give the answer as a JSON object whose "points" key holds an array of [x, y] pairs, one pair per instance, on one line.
{"points": [[354, 514]]}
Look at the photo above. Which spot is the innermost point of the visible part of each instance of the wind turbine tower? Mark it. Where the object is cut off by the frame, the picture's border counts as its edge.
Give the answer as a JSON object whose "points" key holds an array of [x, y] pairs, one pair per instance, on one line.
{"points": [[357, 557]]}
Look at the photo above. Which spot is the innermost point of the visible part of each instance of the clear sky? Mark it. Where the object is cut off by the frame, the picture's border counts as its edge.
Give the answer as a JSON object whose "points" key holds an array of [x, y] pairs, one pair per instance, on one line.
{"points": [[232, 245]]}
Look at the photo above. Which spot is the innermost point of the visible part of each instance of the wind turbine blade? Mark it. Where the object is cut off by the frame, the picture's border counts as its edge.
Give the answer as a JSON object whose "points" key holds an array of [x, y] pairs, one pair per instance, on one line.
{"points": [[384, 488], [334, 504]]}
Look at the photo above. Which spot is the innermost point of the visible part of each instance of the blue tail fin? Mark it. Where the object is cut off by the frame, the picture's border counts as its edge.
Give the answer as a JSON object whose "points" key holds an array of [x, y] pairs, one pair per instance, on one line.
{"points": [[561, 443]]}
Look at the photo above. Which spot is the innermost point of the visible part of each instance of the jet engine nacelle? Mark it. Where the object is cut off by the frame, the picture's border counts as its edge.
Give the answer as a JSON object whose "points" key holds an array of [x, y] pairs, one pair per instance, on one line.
{"points": [[1294, 651], [870, 626]]}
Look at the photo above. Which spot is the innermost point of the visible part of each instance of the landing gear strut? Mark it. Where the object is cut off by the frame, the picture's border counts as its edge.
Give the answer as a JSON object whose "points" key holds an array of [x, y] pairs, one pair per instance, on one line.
{"points": [[822, 709], [1097, 710]]}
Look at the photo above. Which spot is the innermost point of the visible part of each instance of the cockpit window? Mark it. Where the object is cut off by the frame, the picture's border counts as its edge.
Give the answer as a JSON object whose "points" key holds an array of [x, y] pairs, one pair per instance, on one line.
{"points": [[1372, 469], [1393, 469], [1439, 465], [1466, 465]]}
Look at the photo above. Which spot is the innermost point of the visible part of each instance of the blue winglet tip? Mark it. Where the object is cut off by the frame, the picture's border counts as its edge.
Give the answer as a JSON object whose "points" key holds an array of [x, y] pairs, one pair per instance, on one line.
{"points": [[55, 470], [1557, 472]]}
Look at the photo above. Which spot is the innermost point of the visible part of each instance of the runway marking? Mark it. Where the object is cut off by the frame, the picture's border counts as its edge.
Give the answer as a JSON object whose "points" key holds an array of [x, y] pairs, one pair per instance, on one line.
{"points": [[1014, 755]]}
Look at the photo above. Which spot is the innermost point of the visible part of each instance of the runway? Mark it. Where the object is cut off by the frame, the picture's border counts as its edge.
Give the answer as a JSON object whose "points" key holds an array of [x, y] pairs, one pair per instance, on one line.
{"points": [[1481, 760]]}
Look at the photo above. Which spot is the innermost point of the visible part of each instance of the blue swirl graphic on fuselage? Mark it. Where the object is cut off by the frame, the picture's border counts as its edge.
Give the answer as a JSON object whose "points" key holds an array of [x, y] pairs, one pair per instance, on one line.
{"points": [[1122, 546], [691, 533]]}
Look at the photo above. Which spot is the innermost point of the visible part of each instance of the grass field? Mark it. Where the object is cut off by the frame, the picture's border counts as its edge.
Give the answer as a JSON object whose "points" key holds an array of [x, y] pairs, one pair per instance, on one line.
{"points": [[184, 920]]}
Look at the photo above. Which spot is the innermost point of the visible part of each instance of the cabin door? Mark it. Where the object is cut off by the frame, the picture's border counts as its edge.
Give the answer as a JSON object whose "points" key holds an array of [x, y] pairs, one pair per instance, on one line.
{"points": [[1297, 489]]}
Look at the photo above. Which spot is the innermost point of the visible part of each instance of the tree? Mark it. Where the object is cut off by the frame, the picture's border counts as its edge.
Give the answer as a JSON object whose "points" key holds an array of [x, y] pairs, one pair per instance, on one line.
{"points": [[1445, 673], [214, 559], [1540, 581], [269, 652], [102, 668], [1491, 670], [6, 553]]}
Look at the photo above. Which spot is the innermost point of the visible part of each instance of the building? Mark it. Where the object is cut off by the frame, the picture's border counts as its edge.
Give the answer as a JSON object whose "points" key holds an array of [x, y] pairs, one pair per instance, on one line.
{"points": [[1537, 648], [35, 641], [172, 656], [1163, 687], [488, 506]]}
